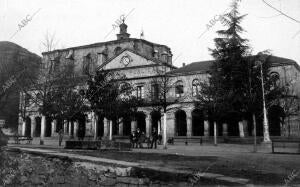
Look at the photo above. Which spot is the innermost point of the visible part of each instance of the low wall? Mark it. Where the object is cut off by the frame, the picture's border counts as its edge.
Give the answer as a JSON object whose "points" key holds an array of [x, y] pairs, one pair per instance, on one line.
{"points": [[98, 144]]}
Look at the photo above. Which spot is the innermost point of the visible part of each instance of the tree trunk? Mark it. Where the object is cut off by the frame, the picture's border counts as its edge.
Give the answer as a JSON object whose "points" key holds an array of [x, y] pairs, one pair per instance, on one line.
{"points": [[254, 133]]}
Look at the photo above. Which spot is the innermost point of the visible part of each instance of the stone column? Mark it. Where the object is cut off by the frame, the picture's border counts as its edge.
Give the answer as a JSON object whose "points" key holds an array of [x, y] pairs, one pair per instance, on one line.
{"points": [[43, 129], [148, 125], [110, 124], [241, 129], [65, 126], [23, 127], [215, 133], [95, 124], [105, 123], [171, 124], [133, 125], [70, 129], [121, 126], [245, 127], [225, 129], [33, 126], [159, 126], [76, 128], [206, 128], [53, 127], [189, 123]]}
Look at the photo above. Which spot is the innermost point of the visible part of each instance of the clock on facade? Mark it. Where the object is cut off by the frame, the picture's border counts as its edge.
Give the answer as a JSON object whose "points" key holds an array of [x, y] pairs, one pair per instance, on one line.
{"points": [[126, 60]]}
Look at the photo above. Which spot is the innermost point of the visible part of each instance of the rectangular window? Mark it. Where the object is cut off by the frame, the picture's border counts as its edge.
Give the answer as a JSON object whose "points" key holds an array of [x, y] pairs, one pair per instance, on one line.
{"points": [[86, 64], [140, 92], [155, 91]]}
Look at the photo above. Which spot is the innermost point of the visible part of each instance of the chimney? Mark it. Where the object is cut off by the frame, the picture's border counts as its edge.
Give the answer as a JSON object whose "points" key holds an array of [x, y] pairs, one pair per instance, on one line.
{"points": [[183, 64]]}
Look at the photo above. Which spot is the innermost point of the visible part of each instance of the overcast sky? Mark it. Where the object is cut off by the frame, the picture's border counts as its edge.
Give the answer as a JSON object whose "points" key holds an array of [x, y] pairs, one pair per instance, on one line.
{"points": [[175, 23]]}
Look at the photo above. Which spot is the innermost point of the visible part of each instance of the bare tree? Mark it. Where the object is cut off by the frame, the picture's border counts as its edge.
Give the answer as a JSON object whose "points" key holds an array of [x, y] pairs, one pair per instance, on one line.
{"points": [[160, 98]]}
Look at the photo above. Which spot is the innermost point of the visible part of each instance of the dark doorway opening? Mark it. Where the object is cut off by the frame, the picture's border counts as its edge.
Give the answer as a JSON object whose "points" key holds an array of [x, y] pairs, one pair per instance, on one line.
{"points": [[197, 123], [81, 127], [180, 122], [100, 124], [48, 127], [27, 126], [276, 118], [38, 127], [141, 122], [126, 126], [156, 121]]}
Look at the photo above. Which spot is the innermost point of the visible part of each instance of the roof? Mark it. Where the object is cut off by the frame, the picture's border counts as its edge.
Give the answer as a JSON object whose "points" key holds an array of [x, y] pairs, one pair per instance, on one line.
{"points": [[194, 67], [104, 43], [204, 66]]}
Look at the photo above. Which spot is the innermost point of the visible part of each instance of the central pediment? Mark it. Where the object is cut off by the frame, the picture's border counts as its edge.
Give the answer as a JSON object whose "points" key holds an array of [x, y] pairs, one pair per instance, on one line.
{"points": [[128, 59]]}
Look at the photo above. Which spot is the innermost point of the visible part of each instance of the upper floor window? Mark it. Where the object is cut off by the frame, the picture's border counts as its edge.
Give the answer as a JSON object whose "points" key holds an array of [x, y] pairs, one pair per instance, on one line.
{"points": [[155, 91], [86, 64], [195, 87], [117, 50], [275, 80], [164, 56], [125, 90], [179, 88], [53, 64], [70, 55], [27, 98], [155, 53], [140, 92]]}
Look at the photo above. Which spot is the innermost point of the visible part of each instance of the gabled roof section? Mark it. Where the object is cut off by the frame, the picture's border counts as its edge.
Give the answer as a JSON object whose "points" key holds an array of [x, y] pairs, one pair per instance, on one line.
{"points": [[139, 54], [279, 61], [194, 67], [204, 66]]}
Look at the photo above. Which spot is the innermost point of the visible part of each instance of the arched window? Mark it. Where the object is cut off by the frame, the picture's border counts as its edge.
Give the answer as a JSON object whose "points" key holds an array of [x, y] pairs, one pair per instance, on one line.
{"points": [[125, 90], [179, 88], [275, 80], [117, 50], [195, 87]]}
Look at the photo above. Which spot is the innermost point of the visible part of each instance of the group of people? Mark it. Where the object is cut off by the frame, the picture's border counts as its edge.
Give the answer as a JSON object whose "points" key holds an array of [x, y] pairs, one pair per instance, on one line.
{"points": [[137, 138]]}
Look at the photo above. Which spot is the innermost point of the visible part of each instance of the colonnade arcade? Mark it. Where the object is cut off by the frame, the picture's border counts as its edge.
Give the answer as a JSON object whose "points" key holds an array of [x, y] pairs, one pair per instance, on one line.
{"points": [[181, 122]]}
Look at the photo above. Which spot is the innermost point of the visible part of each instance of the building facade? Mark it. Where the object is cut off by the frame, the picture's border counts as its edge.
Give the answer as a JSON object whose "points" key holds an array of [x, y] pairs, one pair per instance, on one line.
{"points": [[141, 62]]}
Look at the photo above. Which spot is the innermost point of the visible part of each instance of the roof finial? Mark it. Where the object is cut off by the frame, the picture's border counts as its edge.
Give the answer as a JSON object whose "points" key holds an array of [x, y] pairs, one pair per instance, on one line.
{"points": [[123, 18]]}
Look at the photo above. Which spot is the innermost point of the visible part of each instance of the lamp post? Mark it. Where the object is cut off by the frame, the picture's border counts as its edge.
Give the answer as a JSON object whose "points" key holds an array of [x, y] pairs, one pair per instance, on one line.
{"points": [[265, 121]]}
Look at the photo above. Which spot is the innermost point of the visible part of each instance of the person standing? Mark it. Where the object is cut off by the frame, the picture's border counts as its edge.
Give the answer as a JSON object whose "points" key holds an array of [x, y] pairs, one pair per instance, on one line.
{"points": [[60, 136], [133, 139], [154, 138], [138, 136]]}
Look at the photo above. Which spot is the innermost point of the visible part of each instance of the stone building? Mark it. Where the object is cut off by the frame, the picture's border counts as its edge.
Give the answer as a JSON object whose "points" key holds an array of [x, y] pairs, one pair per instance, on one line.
{"points": [[140, 61]]}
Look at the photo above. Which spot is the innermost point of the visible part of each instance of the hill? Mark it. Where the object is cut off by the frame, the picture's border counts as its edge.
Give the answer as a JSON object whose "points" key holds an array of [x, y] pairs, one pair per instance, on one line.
{"points": [[18, 67]]}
